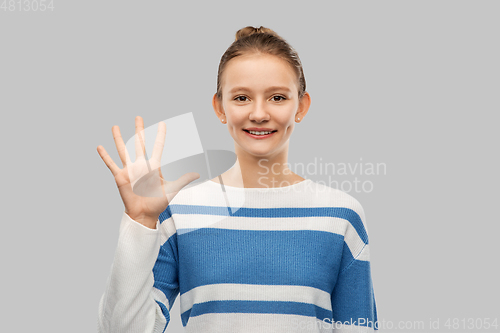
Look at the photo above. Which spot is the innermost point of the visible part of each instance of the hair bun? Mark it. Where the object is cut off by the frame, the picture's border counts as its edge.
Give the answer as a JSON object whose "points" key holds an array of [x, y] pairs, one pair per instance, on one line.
{"points": [[249, 30]]}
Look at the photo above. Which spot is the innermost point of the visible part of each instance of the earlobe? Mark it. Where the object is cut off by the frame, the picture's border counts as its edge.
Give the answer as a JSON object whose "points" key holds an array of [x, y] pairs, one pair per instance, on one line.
{"points": [[304, 104]]}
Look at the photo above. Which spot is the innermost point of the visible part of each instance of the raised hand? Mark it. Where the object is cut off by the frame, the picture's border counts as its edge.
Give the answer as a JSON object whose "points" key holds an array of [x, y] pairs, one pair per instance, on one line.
{"points": [[144, 192]]}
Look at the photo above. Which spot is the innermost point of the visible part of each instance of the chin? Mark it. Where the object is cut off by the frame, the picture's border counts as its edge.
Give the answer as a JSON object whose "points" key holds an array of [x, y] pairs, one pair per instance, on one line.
{"points": [[260, 152]]}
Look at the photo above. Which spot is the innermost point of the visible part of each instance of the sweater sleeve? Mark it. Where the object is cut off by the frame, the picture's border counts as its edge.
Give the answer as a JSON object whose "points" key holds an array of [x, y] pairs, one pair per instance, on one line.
{"points": [[131, 301], [353, 299]]}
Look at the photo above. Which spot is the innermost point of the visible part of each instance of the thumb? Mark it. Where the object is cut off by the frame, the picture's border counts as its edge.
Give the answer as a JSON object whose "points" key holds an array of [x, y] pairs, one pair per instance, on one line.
{"points": [[175, 186]]}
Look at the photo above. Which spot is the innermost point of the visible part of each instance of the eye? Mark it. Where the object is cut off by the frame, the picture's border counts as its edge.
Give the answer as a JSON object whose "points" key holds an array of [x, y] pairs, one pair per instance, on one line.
{"points": [[282, 98], [239, 100]]}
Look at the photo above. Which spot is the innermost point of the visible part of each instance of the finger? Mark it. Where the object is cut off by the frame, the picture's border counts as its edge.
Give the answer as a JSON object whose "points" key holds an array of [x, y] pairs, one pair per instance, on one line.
{"points": [[163, 184], [160, 141], [120, 146], [185, 179], [108, 160], [161, 176], [140, 144]]}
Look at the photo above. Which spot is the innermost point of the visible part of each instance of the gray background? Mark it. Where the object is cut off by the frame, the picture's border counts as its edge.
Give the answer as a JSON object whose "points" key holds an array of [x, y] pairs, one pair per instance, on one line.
{"points": [[412, 84]]}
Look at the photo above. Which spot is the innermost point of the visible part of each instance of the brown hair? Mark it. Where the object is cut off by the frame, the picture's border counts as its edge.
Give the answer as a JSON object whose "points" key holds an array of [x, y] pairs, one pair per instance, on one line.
{"points": [[261, 40]]}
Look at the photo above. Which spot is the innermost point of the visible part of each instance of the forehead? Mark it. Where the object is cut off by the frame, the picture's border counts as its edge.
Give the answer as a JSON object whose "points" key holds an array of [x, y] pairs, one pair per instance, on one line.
{"points": [[257, 72]]}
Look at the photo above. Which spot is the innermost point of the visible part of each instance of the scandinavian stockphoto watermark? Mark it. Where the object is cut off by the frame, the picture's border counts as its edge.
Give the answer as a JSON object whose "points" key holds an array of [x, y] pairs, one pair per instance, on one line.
{"points": [[356, 177], [27, 5], [185, 153], [431, 324]]}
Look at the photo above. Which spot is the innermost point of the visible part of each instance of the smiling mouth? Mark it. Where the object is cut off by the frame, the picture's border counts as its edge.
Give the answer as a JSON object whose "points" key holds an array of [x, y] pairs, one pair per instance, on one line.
{"points": [[260, 132]]}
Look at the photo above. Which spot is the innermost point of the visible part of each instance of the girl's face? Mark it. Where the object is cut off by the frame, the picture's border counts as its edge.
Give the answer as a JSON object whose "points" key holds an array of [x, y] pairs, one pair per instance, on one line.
{"points": [[260, 92]]}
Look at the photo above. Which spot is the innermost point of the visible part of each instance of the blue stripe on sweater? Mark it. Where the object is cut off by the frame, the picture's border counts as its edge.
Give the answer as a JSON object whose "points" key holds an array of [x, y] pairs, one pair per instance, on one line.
{"points": [[265, 257], [353, 297], [166, 269], [340, 212], [165, 312], [165, 215], [278, 307]]}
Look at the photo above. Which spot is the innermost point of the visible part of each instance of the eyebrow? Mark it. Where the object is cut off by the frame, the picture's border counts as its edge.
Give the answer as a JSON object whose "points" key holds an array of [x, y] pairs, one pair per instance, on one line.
{"points": [[268, 89]]}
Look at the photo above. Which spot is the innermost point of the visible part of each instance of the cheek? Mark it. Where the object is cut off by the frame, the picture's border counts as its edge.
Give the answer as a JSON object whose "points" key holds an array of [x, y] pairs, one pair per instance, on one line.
{"points": [[233, 117], [235, 113], [234, 120], [287, 119]]}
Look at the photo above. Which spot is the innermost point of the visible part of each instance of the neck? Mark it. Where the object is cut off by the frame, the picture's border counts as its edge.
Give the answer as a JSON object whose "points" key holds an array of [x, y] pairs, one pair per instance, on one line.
{"points": [[261, 171]]}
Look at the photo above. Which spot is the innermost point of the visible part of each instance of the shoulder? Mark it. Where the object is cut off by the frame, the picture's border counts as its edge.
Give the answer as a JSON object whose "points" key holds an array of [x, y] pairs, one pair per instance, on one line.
{"points": [[337, 198], [345, 207]]}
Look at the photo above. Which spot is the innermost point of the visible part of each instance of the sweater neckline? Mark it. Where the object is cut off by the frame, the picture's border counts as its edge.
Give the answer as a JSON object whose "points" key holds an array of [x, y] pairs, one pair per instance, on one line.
{"points": [[262, 189]]}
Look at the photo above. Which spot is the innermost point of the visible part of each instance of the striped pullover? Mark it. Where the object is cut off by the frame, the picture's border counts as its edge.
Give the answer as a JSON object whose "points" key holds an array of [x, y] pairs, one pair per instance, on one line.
{"points": [[286, 259]]}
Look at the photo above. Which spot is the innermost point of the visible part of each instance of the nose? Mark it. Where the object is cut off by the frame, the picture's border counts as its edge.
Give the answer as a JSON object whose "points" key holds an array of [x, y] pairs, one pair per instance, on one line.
{"points": [[259, 112]]}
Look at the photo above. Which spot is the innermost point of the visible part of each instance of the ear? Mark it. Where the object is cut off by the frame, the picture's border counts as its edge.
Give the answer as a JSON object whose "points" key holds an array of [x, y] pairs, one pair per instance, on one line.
{"points": [[217, 105], [304, 104]]}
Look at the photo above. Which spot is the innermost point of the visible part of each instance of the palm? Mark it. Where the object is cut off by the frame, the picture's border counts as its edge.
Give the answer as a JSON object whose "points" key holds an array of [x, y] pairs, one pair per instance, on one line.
{"points": [[144, 192]]}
